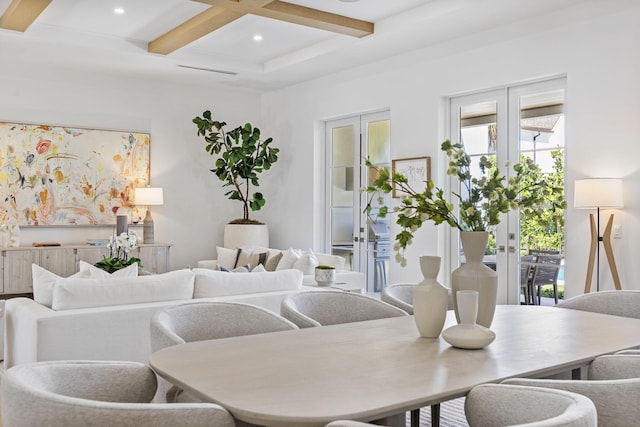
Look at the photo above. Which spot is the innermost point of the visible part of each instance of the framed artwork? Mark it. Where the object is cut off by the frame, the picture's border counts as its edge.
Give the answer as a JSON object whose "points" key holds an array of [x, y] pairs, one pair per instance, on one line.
{"points": [[416, 169], [53, 175]]}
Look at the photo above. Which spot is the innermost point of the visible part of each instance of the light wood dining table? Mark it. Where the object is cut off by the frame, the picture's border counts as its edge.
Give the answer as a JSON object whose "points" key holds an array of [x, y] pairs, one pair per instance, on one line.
{"points": [[379, 369]]}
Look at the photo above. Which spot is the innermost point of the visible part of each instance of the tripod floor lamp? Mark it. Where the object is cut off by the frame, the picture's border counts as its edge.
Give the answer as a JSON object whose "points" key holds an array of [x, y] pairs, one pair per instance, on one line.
{"points": [[599, 193]]}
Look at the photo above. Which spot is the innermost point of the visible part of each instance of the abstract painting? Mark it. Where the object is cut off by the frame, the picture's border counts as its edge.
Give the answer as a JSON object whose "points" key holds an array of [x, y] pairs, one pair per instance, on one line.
{"points": [[416, 169], [53, 175]]}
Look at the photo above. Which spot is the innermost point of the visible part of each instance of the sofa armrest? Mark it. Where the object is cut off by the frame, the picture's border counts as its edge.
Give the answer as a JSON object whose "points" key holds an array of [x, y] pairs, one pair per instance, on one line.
{"points": [[21, 330], [211, 264]]}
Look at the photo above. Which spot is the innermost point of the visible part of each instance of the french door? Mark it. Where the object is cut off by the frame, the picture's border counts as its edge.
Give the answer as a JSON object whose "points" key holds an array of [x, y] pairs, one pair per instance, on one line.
{"points": [[360, 238], [503, 125]]}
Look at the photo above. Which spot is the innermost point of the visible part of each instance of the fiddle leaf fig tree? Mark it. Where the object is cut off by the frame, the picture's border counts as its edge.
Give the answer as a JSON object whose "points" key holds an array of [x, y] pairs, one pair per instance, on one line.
{"points": [[241, 157]]}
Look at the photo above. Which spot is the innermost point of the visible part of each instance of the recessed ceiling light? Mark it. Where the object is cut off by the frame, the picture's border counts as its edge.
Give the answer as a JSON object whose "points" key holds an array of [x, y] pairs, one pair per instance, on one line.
{"points": [[118, 11], [257, 38]]}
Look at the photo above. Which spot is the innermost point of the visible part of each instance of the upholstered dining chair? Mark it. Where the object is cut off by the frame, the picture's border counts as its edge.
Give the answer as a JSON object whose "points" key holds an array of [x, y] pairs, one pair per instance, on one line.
{"points": [[401, 295], [309, 309], [613, 384], [625, 303], [207, 321], [499, 405], [95, 393]]}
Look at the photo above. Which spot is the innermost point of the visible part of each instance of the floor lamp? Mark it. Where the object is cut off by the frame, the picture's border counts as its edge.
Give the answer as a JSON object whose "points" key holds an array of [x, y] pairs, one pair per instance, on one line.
{"points": [[148, 196], [598, 193]]}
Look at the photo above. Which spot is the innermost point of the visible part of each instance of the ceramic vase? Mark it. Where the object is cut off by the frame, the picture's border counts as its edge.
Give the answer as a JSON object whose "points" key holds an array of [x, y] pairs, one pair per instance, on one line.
{"points": [[468, 334], [325, 276], [430, 299], [474, 275]]}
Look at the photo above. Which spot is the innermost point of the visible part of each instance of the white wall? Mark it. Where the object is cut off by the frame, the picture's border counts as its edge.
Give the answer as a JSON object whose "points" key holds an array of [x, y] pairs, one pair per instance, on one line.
{"points": [[595, 47], [195, 208]]}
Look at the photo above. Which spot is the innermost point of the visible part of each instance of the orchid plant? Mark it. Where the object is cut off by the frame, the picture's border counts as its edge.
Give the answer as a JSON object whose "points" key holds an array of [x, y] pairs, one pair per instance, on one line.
{"points": [[120, 248], [482, 199]]}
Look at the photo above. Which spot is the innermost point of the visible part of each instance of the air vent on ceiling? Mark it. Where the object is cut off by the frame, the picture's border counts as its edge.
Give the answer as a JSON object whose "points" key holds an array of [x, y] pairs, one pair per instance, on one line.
{"points": [[210, 70]]}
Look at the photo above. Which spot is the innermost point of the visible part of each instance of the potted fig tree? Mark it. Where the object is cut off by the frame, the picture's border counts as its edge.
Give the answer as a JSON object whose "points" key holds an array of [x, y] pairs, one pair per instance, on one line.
{"points": [[241, 156]]}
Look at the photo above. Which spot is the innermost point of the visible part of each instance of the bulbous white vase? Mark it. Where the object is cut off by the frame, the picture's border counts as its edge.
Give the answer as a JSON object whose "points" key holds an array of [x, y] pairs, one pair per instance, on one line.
{"points": [[475, 276], [430, 299], [468, 334]]}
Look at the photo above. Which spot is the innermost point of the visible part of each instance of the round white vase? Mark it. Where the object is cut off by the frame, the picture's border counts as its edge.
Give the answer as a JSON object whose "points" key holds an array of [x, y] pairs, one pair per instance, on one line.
{"points": [[468, 334], [430, 299], [475, 276], [325, 276]]}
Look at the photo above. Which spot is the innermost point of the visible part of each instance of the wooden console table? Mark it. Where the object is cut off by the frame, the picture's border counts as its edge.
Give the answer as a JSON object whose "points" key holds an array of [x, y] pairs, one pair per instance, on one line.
{"points": [[15, 263]]}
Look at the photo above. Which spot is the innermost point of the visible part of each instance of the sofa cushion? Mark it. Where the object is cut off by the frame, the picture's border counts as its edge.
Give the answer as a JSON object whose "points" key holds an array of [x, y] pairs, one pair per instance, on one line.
{"points": [[212, 283], [289, 258], [72, 293], [307, 263], [335, 261], [44, 280]]}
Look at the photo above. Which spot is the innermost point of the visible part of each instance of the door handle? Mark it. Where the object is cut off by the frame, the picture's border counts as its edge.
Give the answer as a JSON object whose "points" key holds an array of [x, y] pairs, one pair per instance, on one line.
{"points": [[501, 248], [512, 249]]}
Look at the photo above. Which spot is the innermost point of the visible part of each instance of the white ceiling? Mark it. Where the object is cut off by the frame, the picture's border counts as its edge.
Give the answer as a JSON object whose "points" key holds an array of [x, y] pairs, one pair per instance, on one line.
{"points": [[86, 34]]}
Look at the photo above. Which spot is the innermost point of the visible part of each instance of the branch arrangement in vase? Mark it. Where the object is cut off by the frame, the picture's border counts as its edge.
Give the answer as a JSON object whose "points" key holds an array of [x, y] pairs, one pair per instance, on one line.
{"points": [[242, 157], [482, 199]]}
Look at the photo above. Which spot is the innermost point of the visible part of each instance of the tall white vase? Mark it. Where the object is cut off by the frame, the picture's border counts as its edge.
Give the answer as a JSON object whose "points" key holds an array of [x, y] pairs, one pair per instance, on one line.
{"points": [[475, 276], [430, 299]]}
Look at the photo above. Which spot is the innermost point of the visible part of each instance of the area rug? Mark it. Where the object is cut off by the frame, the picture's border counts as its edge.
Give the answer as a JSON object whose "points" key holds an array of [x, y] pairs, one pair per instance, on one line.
{"points": [[451, 414]]}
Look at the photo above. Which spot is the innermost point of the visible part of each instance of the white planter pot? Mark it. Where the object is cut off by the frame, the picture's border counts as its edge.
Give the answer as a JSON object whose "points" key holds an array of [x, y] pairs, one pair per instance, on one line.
{"points": [[237, 235], [325, 276]]}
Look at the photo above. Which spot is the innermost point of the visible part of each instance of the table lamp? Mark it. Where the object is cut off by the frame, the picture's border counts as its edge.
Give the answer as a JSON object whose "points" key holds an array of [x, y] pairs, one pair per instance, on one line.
{"points": [[597, 193], [148, 196]]}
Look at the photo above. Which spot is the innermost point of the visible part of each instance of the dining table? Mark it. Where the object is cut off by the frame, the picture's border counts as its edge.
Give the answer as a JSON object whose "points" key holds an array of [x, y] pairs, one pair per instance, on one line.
{"points": [[379, 369]]}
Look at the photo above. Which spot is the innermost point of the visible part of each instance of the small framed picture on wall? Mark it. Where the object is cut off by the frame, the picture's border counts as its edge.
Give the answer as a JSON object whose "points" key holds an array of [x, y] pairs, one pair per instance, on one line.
{"points": [[416, 169]]}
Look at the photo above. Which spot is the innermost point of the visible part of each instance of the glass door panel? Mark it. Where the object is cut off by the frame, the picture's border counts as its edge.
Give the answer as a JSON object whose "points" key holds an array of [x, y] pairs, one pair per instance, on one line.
{"points": [[362, 240]]}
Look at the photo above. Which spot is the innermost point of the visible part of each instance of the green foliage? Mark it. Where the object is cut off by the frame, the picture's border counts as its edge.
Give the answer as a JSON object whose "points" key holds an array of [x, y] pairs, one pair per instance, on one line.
{"points": [[482, 199], [242, 156], [543, 227], [111, 264]]}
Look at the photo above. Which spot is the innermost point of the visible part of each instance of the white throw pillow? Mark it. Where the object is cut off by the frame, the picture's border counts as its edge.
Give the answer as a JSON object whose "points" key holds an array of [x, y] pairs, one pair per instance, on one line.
{"points": [[335, 261], [43, 282], [306, 263], [213, 283], [258, 269], [73, 293], [97, 273], [227, 257], [289, 257]]}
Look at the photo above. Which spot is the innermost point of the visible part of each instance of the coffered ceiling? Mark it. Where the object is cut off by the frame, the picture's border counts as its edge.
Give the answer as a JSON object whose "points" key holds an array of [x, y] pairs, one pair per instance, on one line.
{"points": [[213, 41]]}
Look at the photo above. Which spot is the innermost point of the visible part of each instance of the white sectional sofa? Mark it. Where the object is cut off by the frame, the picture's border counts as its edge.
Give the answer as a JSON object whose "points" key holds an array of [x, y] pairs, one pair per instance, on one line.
{"points": [[108, 318], [304, 261]]}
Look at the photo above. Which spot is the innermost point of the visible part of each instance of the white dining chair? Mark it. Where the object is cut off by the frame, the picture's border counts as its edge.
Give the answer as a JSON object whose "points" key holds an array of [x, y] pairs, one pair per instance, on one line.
{"points": [[625, 303], [399, 295], [95, 393], [501, 405], [613, 384], [309, 309], [207, 321]]}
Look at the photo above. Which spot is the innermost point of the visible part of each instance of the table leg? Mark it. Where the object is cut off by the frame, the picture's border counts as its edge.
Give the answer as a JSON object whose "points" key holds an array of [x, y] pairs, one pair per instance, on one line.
{"points": [[435, 415]]}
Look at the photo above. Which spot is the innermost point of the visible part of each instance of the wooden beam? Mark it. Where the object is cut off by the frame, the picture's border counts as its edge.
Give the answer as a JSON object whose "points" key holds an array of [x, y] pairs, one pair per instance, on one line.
{"points": [[296, 14], [196, 27], [21, 13], [315, 18]]}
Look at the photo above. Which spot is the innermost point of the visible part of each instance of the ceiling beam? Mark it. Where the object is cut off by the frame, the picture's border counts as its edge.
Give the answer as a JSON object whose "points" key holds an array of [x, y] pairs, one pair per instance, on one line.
{"points": [[191, 30], [21, 13], [314, 18], [223, 12]]}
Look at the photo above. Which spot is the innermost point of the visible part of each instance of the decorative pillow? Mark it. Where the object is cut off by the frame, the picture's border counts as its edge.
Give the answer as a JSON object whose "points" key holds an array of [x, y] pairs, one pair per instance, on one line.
{"points": [[272, 262], [289, 257], [258, 269], [246, 256], [335, 261], [306, 263], [75, 293], [241, 269], [227, 257], [212, 283], [98, 273], [44, 280]]}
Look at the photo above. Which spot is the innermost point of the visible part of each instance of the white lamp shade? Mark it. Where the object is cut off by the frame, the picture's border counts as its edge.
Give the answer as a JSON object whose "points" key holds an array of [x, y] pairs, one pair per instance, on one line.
{"points": [[598, 193], [148, 196]]}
